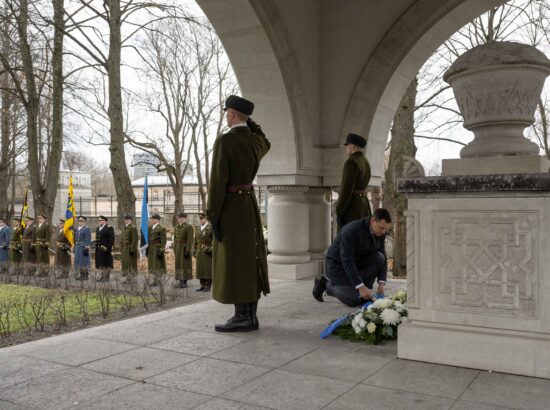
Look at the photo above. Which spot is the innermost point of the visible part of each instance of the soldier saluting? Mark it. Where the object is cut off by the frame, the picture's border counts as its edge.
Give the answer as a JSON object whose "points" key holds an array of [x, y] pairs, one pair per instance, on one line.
{"points": [[352, 201], [104, 241]]}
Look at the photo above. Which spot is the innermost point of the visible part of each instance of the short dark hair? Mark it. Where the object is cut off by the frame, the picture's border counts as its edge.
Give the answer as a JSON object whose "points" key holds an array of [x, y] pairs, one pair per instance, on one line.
{"points": [[381, 214]]}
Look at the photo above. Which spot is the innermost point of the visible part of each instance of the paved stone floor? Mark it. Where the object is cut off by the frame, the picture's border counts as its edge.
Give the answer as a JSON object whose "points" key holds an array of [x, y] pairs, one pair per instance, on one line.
{"points": [[174, 360]]}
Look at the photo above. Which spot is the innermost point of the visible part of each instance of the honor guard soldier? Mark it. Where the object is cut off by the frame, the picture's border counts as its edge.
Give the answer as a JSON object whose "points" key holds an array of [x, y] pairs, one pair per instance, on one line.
{"points": [[43, 235], [16, 246], [183, 239], [129, 248], [82, 243], [5, 234], [62, 252], [239, 258], [203, 254], [352, 201], [104, 241], [155, 254], [29, 237]]}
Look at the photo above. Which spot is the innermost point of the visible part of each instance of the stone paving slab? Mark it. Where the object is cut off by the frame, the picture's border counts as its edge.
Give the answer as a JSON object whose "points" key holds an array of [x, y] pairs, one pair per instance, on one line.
{"points": [[175, 360]]}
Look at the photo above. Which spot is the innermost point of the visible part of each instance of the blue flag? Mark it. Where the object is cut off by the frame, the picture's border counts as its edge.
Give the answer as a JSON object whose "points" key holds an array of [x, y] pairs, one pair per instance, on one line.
{"points": [[144, 241]]}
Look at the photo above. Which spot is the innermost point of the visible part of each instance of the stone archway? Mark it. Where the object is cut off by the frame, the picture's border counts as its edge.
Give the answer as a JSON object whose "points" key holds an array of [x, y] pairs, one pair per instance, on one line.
{"points": [[396, 61]]}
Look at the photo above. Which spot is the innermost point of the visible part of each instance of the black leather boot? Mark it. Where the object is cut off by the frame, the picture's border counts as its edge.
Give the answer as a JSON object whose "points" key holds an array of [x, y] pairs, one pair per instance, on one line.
{"points": [[253, 308], [240, 322]]}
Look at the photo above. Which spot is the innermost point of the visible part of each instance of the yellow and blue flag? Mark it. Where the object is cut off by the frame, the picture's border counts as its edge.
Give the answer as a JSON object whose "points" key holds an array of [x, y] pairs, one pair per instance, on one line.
{"points": [[68, 228], [24, 210]]}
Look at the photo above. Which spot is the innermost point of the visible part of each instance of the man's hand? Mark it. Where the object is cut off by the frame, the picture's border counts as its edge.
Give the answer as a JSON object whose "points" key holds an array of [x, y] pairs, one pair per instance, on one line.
{"points": [[217, 231], [340, 220], [186, 255], [365, 292], [380, 289]]}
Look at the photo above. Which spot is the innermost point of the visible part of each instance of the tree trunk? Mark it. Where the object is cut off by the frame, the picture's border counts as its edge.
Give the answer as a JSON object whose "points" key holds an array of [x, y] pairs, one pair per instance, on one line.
{"points": [[402, 144], [6, 157], [123, 184]]}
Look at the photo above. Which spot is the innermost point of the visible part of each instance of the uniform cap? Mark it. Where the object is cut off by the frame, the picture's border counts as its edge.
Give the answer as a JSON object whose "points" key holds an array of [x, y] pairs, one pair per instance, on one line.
{"points": [[128, 216], [356, 140], [43, 216], [201, 215], [82, 218], [103, 218], [3, 219], [17, 219], [30, 218], [156, 216], [182, 215], [239, 104], [61, 220]]}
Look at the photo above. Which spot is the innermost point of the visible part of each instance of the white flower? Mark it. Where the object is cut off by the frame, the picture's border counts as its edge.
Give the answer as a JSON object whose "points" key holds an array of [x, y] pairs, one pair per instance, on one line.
{"points": [[382, 303], [371, 327], [401, 295], [390, 317], [400, 307]]}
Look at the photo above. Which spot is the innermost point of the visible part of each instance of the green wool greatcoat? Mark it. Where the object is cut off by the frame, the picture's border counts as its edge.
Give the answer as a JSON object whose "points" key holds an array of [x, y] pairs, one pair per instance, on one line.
{"points": [[203, 252], [129, 248], [239, 261], [43, 243], [16, 245], [183, 246], [157, 242], [29, 246], [62, 255], [352, 205]]}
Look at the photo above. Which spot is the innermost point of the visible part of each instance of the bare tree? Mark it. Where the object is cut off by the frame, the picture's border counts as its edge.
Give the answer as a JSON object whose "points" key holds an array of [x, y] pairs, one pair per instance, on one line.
{"points": [[185, 62]]}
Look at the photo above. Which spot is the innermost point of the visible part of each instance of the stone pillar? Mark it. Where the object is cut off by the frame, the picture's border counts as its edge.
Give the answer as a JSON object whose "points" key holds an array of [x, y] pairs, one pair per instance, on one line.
{"points": [[318, 199], [288, 233]]}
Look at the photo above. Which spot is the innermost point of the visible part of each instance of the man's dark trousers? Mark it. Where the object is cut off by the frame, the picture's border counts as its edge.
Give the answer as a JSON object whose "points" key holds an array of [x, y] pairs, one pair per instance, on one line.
{"points": [[339, 286]]}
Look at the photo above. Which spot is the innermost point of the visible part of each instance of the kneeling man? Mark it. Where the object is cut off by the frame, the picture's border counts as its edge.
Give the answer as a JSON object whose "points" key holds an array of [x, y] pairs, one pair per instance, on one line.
{"points": [[354, 260]]}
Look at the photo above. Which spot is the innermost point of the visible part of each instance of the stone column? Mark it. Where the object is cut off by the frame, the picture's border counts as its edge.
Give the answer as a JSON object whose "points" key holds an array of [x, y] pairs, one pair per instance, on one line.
{"points": [[318, 199], [288, 233]]}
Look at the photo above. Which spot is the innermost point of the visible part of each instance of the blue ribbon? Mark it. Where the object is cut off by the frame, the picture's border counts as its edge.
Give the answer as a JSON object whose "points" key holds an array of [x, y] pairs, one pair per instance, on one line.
{"points": [[336, 324]]}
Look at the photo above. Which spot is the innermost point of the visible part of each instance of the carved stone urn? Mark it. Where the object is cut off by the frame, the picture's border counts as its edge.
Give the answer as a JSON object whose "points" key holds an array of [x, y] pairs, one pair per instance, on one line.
{"points": [[497, 86]]}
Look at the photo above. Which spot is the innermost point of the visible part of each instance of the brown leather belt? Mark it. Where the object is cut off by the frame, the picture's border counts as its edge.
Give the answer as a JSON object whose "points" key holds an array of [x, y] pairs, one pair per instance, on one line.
{"points": [[237, 188]]}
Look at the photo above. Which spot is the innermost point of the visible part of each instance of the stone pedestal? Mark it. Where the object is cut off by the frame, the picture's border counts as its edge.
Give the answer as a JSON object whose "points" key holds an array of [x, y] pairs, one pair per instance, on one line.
{"points": [[318, 199], [495, 165], [478, 276], [288, 238]]}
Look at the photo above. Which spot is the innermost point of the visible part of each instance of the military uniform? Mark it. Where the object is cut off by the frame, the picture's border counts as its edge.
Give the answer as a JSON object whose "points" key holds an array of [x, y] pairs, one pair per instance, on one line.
{"points": [[62, 255], [203, 255], [83, 241], [353, 202], [29, 246], [16, 246], [5, 233], [129, 249], [155, 252], [183, 247], [43, 244], [104, 241]]}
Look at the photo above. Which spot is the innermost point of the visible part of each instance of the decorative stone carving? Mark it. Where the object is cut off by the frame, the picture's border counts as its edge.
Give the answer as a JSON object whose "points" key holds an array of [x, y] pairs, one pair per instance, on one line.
{"points": [[486, 262], [413, 258], [497, 86], [412, 168]]}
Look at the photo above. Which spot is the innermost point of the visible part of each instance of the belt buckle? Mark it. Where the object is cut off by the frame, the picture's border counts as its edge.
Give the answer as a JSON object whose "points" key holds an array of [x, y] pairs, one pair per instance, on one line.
{"points": [[240, 191]]}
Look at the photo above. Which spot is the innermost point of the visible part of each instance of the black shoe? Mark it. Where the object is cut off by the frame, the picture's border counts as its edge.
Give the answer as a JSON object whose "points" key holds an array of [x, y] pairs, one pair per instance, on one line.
{"points": [[82, 276], [155, 284], [201, 289], [319, 288], [239, 323], [252, 309], [206, 290], [103, 279]]}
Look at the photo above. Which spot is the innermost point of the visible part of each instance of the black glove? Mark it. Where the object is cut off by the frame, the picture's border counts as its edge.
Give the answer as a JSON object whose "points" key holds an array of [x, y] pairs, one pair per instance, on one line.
{"points": [[340, 220], [160, 254], [86, 252], [147, 251], [32, 250], [255, 128], [186, 255], [132, 253], [216, 229]]}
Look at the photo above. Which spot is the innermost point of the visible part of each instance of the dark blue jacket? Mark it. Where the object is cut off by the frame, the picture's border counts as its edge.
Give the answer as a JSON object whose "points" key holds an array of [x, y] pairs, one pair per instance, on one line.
{"points": [[350, 251]]}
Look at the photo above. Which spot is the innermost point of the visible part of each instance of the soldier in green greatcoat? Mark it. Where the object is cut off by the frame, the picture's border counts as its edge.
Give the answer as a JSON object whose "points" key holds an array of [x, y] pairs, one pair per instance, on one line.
{"points": [[352, 201], [28, 256], [62, 252], [239, 258], [203, 254], [16, 244], [129, 248], [155, 251], [43, 235], [183, 247]]}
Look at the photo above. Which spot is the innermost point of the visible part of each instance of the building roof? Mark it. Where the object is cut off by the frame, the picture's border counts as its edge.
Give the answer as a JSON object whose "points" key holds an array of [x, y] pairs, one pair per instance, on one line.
{"points": [[163, 180]]}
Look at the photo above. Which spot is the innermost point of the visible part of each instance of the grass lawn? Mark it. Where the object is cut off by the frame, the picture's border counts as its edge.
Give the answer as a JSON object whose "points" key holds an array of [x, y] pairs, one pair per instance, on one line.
{"points": [[33, 308]]}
